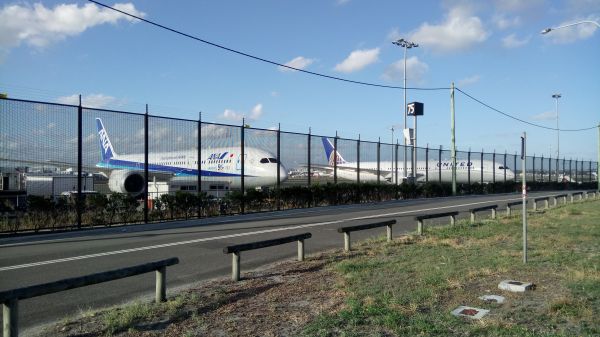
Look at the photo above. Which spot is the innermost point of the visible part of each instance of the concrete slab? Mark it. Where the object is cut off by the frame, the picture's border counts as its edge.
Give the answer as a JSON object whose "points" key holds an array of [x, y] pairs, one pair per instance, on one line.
{"points": [[492, 298], [470, 312], [516, 286]]}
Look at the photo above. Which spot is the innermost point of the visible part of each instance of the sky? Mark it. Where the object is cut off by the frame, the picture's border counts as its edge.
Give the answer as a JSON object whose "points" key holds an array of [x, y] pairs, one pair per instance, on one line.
{"points": [[493, 50]]}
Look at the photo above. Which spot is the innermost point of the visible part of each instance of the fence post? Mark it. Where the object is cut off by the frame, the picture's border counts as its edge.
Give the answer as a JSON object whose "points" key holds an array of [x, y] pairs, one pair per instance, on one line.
{"points": [[10, 318], [481, 167], [161, 284], [79, 161], [146, 166], [494, 167], [591, 172], [515, 165], [199, 164], [378, 163], [242, 162], [335, 150], [505, 166], [426, 163], [469, 168], [533, 162], [440, 165], [549, 169], [278, 199], [571, 169], [358, 169], [309, 172]]}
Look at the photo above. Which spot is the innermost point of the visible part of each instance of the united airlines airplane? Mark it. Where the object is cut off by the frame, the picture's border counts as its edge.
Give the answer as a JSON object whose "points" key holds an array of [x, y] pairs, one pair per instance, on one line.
{"points": [[221, 165], [368, 169]]}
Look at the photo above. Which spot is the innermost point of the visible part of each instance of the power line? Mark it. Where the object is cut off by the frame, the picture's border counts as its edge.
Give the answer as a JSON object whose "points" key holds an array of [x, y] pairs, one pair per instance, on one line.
{"points": [[263, 59], [521, 120], [329, 76]]}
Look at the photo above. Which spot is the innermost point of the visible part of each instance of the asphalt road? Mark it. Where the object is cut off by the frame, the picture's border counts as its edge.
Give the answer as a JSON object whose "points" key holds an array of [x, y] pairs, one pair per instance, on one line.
{"points": [[39, 259]]}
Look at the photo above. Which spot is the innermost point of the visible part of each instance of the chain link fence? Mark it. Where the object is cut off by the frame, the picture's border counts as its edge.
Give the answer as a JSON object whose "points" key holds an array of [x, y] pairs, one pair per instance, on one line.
{"points": [[66, 166]]}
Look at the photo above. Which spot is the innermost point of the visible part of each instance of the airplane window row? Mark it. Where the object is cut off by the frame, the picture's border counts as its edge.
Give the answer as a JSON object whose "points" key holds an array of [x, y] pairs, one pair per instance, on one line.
{"points": [[268, 160]]}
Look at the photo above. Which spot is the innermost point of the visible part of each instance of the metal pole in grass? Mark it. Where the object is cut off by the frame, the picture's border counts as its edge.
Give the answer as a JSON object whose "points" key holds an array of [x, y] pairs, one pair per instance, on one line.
{"points": [[598, 162], [523, 159], [452, 140]]}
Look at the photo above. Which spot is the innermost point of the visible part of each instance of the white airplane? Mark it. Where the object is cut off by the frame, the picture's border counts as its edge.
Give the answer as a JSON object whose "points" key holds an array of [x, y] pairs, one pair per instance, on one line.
{"points": [[221, 165], [368, 169]]}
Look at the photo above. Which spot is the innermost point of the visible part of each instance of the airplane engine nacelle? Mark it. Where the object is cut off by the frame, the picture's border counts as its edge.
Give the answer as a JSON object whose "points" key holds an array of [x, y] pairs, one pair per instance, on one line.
{"points": [[126, 181]]}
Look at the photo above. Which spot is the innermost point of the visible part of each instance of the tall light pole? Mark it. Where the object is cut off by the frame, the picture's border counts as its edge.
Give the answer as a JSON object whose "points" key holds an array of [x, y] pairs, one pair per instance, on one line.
{"points": [[556, 97], [548, 30], [406, 45]]}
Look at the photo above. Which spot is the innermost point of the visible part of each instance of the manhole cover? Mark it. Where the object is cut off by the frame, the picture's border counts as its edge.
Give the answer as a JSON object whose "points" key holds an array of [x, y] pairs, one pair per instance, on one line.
{"points": [[516, 286], [492, 298], [470, 312]]}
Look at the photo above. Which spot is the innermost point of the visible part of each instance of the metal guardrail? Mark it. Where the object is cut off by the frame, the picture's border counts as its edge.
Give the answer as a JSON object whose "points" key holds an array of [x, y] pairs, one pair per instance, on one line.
{"points": [[580, 194], [563, 196], [348, 229], [420, 219], [10, 298], [510, 205], [473, 211], [592, 192], [236, 249]]}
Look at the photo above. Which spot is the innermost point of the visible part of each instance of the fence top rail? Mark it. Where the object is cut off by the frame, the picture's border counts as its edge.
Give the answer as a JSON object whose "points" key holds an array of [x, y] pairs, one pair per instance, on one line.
{"points": [[484, 208], [435, 215], [366, 226], [515, 203], [82, 281], [265, 243]]}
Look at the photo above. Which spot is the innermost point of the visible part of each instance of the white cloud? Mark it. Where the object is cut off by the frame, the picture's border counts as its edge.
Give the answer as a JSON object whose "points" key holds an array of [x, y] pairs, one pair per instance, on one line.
{"points": [[236, 116], [90, 101], [357, 60], [518, 6], [257, 111], [573, 33], [40, 26], [512, 41], [299, 62], [394, 34], [415, 70], [459, 31], [274, 94], [468, 80], [545, 116], [504, 22]]}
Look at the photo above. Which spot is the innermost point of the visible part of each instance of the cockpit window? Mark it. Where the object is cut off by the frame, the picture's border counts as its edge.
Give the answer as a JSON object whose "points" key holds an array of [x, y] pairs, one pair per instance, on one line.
{"points": [[504, 168], [273, 160], [264, 161]]}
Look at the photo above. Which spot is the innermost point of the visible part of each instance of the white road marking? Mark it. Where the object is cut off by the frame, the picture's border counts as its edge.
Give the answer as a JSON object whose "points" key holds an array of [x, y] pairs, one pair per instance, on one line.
{"points": [[187, 242]]}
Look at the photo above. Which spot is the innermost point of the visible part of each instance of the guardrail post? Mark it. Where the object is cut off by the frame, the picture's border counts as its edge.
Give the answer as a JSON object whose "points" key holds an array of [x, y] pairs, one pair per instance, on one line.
{"points": [[453, 220], [534, 205], [161, 284], [493, 213], [472, 217], [420, 227], [235, 266], [564, 199], [546, 204], [389, 233], [10, 318], [508, 210], [300, 250], [572, 198], [347, 242]]}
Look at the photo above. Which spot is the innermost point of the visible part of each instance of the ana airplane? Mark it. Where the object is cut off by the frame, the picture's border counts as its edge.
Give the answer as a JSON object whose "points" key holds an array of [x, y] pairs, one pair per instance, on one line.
{"points": [[368, 169], [222, 165]]}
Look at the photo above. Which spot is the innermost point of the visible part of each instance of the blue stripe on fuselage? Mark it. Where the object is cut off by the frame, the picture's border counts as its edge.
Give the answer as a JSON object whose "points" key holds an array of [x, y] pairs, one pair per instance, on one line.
{"points": [[179, 171]]}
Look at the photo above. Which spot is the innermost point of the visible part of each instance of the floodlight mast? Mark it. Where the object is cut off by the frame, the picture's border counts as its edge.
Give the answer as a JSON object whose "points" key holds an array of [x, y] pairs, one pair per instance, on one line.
{"points": [[406, 45]]}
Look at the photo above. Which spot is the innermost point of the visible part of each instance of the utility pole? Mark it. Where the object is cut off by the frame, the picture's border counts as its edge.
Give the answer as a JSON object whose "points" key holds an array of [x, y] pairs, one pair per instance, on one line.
{"points": [[453, 140]]}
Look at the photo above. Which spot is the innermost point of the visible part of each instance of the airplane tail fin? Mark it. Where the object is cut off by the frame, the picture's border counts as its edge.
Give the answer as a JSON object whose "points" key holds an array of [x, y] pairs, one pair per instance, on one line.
{"points": [[329, 150], [106, 149]]}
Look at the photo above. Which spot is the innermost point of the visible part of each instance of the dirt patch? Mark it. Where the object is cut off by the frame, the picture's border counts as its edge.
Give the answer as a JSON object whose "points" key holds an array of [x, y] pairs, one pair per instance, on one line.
{"points": [[275, 301]]}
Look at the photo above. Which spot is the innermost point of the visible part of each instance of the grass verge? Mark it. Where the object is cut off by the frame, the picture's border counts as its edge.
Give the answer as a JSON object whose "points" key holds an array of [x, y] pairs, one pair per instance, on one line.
{"points": [[409, 287]]}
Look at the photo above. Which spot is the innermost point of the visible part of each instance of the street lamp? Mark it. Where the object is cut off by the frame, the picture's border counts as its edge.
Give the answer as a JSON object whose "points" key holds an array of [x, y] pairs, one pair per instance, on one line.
{"points": [[406, 45], [548, 30], [556, 97]]}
